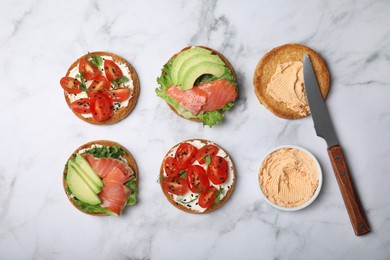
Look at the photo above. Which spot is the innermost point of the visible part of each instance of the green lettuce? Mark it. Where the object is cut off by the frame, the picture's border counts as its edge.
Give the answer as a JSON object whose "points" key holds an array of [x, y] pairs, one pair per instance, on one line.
{"points": [[209, 118]]}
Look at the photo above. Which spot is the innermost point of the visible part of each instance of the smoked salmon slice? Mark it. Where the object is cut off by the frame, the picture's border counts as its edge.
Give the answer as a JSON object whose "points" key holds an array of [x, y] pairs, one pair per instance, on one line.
{"points": [[207, 96], [103, 166], [114, 196], [220, 93], [114, 173], [192, 99]]}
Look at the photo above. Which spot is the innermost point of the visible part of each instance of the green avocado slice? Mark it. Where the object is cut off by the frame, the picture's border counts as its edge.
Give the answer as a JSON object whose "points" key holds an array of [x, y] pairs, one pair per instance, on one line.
{"points": [[202, 68], [79, 188], [181, 58]]}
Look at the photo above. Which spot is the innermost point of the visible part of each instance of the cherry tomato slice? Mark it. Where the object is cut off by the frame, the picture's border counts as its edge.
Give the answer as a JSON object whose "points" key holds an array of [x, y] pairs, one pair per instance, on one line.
{"points": [[206, 150], [171, 167], [101, 106], [217, 171], [112, 70], [70, 85], [207, 198], [197, 180], [100, 83], [175, 185], [186, 155], [87, 69], [119, 94], [82, 106]]}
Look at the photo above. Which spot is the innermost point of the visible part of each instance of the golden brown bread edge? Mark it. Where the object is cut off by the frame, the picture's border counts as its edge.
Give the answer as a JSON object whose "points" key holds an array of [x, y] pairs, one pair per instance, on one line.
{"points": [[181, 207], [266, 67], [128, 156], [121, 113], [227, 63]]}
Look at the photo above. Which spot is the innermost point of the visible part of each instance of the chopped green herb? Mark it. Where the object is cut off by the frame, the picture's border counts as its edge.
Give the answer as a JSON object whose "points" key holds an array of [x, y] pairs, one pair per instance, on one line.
{"points": [[122, 79], [207, 160], [183, 174], [218, 196], [83, 85], [96, 60]]}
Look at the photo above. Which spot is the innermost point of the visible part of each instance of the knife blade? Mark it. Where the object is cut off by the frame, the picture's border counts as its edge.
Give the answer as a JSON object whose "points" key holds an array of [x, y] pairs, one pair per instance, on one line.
{"points": [[324, 128]]}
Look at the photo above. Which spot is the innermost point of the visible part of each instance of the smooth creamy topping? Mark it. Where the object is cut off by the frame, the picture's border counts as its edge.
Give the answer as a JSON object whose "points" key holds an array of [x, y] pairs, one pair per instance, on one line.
{"points": [[126, 72], [189, 200], [286, 86], [289, 177]]}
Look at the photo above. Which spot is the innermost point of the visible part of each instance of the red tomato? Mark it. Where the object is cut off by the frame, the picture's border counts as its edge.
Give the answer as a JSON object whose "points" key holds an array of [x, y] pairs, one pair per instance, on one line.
{"points": [[119, 94], [87, 69], [82, 106], [209, 149], [113, 72], [186, 155], [100, 83], [175, 185], [217, 170], [101, 106], [70, 85], [207, 198], [171, 167], [197, 180]]}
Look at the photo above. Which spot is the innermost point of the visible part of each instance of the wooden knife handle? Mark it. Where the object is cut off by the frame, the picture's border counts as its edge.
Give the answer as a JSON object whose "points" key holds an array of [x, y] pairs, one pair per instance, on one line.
{"points": [[351, 200]]}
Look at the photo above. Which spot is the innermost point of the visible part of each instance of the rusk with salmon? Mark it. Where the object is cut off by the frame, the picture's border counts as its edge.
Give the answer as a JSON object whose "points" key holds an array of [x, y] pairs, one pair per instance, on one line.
{"points": [[198, 84], [101, 178]]}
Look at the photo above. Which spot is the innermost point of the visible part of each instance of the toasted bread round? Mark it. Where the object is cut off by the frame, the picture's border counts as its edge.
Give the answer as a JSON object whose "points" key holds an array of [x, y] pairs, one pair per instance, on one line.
{"points": [[178, 205], [128, 156], [223, 58], [122, 112], [267, 66]]}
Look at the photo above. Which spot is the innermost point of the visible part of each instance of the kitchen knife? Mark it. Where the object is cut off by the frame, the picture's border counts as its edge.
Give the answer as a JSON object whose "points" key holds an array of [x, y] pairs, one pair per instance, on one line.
{"points": [[324, 128]]}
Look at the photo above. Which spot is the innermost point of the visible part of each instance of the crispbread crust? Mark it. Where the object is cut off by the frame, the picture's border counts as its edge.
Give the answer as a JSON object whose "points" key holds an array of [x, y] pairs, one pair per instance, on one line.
{"points": [[128, 156], [227, 63], [181, 207], [266, 67], [123, 111]]}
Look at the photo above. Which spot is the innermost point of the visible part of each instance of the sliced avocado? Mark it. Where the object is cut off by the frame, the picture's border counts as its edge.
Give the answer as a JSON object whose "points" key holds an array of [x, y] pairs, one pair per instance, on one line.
{"points": [[83, 166], [79, 188], [202, 68], [96, 189], [194, 60], [181, 57]]}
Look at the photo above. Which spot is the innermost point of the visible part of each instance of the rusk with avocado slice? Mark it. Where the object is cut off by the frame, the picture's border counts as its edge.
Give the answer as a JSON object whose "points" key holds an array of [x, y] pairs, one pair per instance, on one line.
{"points": [[192, 67], [84, 192]]}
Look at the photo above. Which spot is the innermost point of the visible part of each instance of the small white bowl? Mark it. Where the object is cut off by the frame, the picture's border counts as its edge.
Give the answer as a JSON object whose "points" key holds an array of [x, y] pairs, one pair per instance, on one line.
{"points": [[319, 179]]}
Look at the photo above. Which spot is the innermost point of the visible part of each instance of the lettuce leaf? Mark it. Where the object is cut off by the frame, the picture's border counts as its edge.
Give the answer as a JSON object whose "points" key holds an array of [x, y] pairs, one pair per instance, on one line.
{"points": [[132, 185], [208, 118], [106, 152]]}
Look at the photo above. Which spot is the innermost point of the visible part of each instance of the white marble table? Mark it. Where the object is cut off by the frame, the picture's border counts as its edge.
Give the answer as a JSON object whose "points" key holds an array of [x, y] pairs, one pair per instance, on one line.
{"points": [[40, 39]]}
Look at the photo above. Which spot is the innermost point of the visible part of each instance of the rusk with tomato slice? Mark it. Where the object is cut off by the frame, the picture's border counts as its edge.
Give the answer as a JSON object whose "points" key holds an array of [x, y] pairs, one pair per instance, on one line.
{"points": [[105, 73], [197, 176]]}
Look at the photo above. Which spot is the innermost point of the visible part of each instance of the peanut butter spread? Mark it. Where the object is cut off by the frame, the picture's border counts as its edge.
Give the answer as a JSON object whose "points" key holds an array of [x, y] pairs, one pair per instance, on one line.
{"points": [[289, 177], [286, 86]]}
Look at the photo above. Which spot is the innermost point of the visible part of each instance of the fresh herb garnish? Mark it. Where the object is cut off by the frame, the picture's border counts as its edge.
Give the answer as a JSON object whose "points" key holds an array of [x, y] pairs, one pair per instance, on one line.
{"points": [[96, 60], [122, 79], [83, 85], [183, 174], [207, 160], [218, 195]]}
